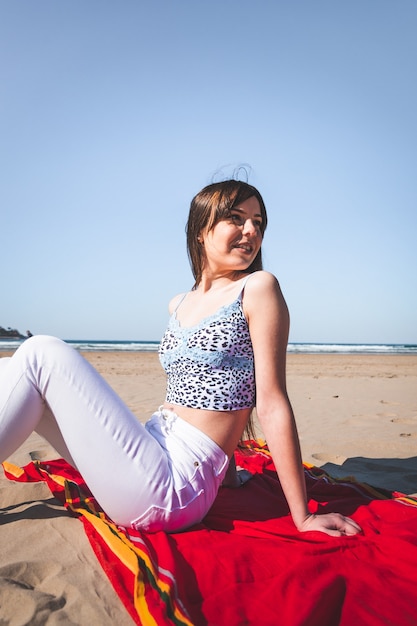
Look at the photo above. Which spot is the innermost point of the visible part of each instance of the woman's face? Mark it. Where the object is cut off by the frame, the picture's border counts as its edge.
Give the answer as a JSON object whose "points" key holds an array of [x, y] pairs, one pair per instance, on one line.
{"points": [[233, 243]]}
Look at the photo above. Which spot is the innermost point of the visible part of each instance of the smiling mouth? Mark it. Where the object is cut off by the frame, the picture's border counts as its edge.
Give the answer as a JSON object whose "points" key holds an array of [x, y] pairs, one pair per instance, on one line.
{"points": [[245, 247]]}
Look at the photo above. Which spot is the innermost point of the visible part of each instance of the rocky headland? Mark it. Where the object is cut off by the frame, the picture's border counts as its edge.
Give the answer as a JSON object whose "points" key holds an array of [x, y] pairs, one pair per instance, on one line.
{"points": [[10, 333]]}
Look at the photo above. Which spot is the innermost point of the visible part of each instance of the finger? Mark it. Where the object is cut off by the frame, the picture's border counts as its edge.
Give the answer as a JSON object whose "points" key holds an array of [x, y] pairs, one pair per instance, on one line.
{"points": [[352, 530], [338, 525], [341, 531], [332, 532], [350, 526], [343, 523]]}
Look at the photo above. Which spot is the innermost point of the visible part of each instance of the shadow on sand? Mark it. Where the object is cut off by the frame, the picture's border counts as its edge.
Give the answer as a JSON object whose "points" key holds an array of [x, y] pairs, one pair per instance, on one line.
{"points": [[391, 474]]}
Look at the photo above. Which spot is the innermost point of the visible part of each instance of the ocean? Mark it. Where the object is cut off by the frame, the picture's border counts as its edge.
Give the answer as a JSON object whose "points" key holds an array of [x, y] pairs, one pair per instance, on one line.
{"points": [[85, 345]]}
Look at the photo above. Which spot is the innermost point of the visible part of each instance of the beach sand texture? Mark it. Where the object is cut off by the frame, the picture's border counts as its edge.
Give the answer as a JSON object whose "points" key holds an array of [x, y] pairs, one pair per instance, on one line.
{"points": [[356, 415]]}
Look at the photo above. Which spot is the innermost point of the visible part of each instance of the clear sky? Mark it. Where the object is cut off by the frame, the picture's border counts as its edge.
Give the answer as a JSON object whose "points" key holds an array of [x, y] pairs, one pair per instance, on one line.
{"points": [[114, 114]]}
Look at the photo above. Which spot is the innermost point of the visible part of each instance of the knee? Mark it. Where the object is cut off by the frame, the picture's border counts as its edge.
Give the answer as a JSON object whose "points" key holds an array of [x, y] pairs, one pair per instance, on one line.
{"points": [[42, 344], [42, 341]]}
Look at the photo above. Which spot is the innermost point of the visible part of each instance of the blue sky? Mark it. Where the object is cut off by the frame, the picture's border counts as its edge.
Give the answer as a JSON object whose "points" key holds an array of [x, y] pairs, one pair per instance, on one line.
{"points": [[114, 114]]}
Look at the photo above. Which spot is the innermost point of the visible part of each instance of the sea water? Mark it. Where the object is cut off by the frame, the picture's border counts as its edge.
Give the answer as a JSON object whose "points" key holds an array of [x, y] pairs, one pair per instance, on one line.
{"points": [[86, 345]]}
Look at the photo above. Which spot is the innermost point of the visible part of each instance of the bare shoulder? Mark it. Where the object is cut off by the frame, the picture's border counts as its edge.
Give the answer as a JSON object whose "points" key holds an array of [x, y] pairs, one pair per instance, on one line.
{"points": [[175, 301], [262, 289], [261, 280]]}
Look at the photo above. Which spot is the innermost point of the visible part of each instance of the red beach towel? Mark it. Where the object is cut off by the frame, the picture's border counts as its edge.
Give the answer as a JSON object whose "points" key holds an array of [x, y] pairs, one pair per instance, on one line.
{"points": [[247, 564]]}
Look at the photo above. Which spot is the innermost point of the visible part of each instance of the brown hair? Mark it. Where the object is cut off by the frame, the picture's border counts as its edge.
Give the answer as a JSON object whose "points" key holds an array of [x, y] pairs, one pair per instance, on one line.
{"points": [[208, 207]]}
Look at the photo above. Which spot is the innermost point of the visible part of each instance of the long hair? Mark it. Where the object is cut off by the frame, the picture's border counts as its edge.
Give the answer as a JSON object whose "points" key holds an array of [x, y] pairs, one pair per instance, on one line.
{"points": [[208, 207]]}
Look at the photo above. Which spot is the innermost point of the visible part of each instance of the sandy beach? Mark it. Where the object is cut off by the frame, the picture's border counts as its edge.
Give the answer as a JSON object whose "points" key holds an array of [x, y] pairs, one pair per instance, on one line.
{"points": [[356, 415]]}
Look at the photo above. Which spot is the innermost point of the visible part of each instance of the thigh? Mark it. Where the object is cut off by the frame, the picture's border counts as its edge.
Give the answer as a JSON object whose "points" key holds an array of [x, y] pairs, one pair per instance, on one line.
{"points": [[121, 462]]}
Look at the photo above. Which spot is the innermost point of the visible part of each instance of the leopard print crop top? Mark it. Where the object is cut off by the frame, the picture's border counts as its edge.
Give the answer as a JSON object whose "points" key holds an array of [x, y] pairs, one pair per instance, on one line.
{"points": [[210, 365]]}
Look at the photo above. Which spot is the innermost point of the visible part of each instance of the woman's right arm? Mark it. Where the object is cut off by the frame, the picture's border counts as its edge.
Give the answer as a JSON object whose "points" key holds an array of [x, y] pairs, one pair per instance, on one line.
{"points": [[268, 321]]}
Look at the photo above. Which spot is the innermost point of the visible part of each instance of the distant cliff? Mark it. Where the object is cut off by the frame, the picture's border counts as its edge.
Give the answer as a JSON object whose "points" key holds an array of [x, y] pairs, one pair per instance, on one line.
{"points": [[10, 333]]}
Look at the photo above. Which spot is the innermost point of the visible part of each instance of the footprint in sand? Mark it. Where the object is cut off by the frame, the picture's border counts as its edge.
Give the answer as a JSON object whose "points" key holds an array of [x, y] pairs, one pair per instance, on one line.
{"points": [[404, 420], [24, 598], [337, 459], [38, 455]]}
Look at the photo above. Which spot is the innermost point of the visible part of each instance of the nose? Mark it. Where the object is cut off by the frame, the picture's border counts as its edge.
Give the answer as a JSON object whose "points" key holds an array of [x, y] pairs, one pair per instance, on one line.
{"points": [[250, 227]]}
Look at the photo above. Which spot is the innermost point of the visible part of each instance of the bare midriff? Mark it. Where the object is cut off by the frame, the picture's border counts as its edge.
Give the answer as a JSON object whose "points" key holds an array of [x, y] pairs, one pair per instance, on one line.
{"points": [[224, 427]]}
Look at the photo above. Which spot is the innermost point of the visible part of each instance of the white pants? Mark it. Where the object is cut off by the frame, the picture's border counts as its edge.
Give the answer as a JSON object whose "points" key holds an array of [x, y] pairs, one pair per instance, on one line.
{"points": [[164, 476]]}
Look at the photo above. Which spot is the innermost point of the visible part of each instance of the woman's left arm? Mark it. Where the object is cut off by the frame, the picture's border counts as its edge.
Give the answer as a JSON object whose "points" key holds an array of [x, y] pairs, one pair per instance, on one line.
{"points": [[268, 321]]}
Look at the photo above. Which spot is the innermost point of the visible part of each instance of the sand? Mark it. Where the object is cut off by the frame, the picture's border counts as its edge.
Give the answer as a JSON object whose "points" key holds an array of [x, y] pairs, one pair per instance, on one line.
{"points": [[356, 415]]}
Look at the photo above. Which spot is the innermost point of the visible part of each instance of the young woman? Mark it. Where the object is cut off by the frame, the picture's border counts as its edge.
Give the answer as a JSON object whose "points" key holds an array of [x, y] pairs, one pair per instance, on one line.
{"points": [[224, 353]]}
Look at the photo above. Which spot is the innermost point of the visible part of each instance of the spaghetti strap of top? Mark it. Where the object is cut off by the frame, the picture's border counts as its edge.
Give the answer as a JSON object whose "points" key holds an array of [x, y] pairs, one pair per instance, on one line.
{"points": [[180, 301], [244, 285]]}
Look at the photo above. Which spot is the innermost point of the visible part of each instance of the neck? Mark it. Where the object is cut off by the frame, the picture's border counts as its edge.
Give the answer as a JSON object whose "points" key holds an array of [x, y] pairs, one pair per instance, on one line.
{"points": [[214, 281]]}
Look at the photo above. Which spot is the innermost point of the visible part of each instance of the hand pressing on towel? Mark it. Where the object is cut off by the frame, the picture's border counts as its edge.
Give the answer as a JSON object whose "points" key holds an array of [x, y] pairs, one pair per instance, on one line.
{"points": [[333, 524]]}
